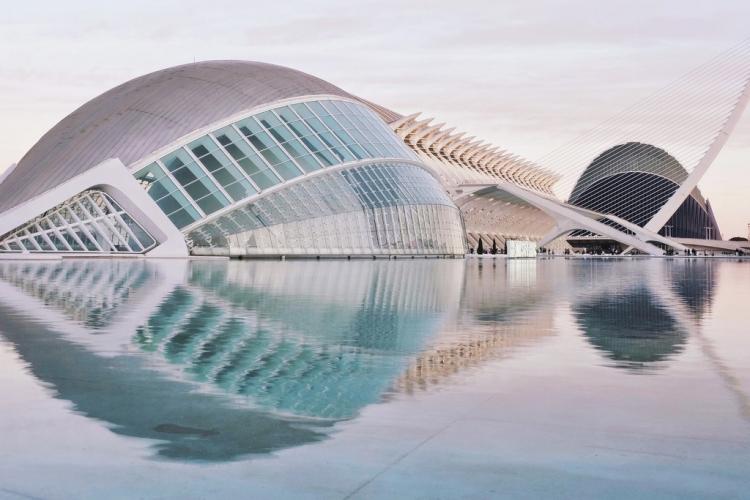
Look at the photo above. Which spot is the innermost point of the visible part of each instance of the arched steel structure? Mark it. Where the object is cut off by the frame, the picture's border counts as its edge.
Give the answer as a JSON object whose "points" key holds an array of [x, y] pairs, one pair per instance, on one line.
{"points": [[613, 184]]}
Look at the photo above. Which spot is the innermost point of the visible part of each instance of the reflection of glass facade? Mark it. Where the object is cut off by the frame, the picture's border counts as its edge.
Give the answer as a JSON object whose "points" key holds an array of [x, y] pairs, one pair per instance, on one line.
{"points": [[260, 151], [387, 208], [220, 359], [86, 291], [89, 222]]}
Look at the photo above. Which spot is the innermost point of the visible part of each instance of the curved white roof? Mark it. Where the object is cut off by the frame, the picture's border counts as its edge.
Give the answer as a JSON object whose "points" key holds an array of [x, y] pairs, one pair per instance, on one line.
{"points": [[144, 114]]}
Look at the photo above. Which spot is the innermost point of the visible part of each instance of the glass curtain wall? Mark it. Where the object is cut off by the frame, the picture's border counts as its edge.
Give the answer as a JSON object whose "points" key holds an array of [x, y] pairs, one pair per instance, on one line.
{"points": [[381, 208], [89, 222], [240, 160]]}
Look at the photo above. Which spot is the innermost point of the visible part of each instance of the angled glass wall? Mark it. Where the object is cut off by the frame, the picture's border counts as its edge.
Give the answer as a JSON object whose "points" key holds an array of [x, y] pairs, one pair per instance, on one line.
{"points": [[240, 160], [90, 222], [381, 208]]}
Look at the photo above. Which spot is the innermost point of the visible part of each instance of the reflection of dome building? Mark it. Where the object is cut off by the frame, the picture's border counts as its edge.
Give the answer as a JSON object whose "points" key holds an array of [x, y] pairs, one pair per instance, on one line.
{"points": [[631, 329], [227, 361], [633, 181], [640, 313]]}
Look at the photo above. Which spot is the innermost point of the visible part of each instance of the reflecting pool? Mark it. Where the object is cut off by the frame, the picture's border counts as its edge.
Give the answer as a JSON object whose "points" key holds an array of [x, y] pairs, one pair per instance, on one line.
{"points": [[359, 379]]}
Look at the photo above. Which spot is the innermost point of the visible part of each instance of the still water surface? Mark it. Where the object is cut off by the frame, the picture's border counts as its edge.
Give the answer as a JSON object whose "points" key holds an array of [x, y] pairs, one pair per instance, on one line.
{"points": [[332, 379]]}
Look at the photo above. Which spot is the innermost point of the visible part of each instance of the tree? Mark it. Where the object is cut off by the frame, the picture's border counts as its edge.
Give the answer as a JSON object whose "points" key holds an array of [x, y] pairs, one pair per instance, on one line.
{"points": [[480, 247], [494, 247]]}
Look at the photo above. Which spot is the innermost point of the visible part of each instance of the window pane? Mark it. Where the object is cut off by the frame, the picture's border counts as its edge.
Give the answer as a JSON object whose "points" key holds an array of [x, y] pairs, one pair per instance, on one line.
{"points": [[302, 110], [184, 176], [308, 163], [182, 218], [286, 115], [168, 204], [240, 190], [176, 160], [161, 188], [274, 156], [288, 170], [265, 179], [150, 173], [203, 146], [197, 190], [212, 203]]}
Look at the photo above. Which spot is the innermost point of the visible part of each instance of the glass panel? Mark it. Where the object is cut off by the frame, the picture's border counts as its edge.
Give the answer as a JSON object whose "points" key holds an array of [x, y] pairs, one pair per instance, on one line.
{"points": [[42, 243], [265, 179], [226, 174], [150, 173], [88, 243], [294, 148], [288, 170], [211, 162], [68, 235], [302, 110], [276, 156], [28, 245], [161, 188], [203, 146], [287, 115], [197, 189], [183, 217], [240, 190], [59, 245], [176, 160], [144, 239], [213, 202], [67, 215], [308, 163], [187, 174], [316, 108]]}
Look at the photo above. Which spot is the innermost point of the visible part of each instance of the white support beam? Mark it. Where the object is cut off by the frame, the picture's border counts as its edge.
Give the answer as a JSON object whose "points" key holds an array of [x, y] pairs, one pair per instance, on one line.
{"points": [[402, 121], [112, 177], [670, 207], [569, 218]]}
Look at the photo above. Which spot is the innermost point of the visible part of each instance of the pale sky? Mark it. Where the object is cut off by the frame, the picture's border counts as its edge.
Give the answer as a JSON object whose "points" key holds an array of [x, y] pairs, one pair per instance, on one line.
{"points": [[526, 76]]}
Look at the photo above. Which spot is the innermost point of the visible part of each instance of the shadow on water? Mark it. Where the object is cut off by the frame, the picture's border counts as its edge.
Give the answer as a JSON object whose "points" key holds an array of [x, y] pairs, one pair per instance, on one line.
{"points": [[230, 358]]}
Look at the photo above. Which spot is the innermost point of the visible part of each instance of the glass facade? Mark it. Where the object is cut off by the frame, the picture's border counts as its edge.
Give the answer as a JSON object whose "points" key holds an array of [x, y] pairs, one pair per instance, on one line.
{"points": [[258, 152], [90, 222], [381, 208]]}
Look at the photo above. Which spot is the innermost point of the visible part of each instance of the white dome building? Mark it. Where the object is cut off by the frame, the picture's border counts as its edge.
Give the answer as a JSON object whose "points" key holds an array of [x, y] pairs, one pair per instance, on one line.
{"points": [[226, 158]]}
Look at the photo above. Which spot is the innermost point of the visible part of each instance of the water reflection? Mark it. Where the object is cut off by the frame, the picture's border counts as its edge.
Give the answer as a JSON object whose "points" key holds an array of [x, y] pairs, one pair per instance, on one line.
{"points": [[231, 358], [631, 328], [214, 360], [504, 306], [640, 314]]}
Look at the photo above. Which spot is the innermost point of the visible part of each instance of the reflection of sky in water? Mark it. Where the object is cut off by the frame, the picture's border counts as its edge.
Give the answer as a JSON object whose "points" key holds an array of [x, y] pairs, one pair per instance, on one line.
{"points": [[214, 360]]}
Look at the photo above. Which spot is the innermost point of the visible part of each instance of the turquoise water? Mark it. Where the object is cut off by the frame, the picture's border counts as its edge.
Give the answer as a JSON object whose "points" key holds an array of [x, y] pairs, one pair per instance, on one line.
{"points": [[360, 379]]}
